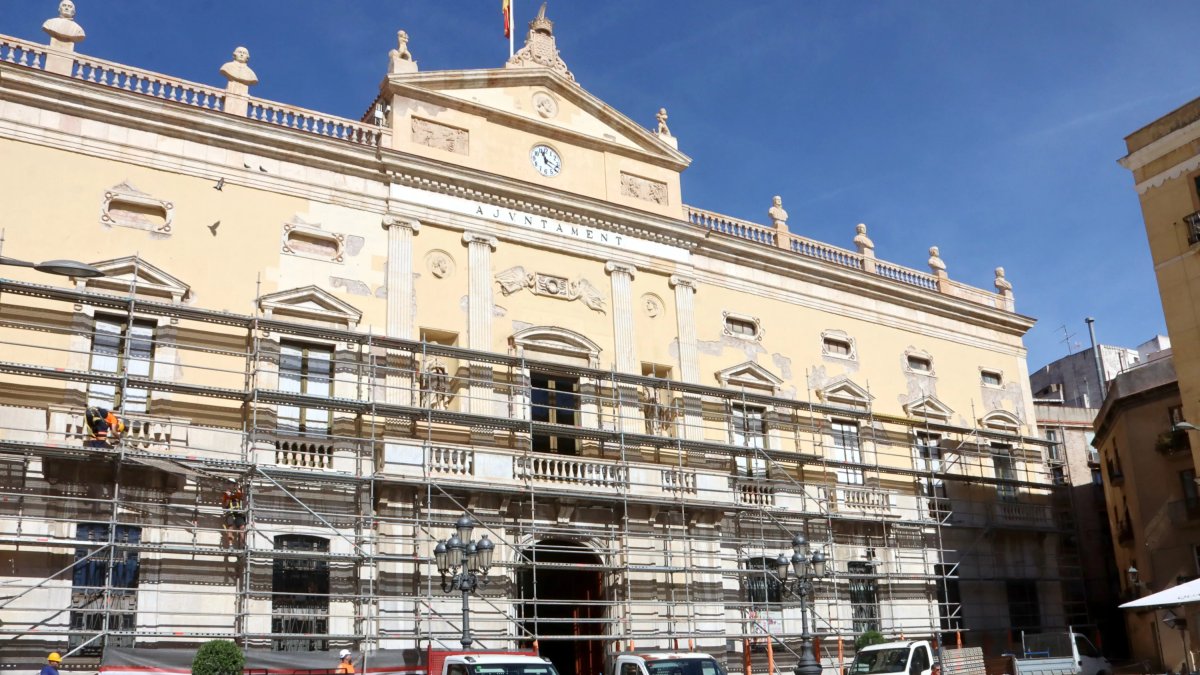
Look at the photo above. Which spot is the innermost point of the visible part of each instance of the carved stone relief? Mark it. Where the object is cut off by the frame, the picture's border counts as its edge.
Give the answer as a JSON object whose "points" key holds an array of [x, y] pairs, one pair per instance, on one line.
{"points": [[515, 279], [545, 105], [643, 188], [127, 206], [439, 263], [652, 305], [440, 136]]}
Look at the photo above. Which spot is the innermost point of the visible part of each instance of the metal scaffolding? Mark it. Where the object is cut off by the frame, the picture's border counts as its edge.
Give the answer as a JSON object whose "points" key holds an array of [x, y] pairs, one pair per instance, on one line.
{"points": [[351, 478]]}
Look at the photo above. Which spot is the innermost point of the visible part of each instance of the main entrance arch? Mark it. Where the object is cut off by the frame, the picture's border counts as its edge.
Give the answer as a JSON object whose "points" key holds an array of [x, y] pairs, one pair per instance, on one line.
{"points": [[562, 602]]}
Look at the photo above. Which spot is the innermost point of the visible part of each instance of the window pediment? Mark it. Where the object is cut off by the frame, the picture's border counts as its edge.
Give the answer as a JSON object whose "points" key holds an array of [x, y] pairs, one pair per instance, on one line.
{"points": [[556, 341], [130, 273], [930, 408], [846, 393], [1001, 420], [749, 374], [312, 303]]}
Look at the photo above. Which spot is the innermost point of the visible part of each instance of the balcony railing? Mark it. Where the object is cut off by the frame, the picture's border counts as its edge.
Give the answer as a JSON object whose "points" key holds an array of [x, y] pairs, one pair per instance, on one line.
{"points": [[1174, 442], [1022, 515], [1192, 221], [863, 501], [1184, 512]]}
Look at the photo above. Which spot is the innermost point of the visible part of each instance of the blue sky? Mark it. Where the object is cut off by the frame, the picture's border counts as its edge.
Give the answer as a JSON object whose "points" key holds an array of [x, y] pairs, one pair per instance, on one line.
{"points": [[988, 128]]}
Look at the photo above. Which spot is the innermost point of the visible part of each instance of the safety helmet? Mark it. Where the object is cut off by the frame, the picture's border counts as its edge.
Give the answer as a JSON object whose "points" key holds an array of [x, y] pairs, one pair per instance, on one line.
{"points": [[344, 653], [54, 658]]}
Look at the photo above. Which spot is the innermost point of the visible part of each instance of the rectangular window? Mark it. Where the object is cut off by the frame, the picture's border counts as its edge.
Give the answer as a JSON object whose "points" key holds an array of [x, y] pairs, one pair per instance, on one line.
{"points": [[94, 569], [864, 596], [762, 586], [118, 348], [554, 399], [919, 364], [300, 595], [1191, 497], [1002, 464], [305, 369], [1024, 611], [837, 347], [748, 430], [928, 461], [991, 378], [741, 327], [847, 448]]}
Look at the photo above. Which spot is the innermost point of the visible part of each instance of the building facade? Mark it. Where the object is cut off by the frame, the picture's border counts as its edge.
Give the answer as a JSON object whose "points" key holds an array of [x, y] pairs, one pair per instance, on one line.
{"points": [[485, 296], [1151, 498]]}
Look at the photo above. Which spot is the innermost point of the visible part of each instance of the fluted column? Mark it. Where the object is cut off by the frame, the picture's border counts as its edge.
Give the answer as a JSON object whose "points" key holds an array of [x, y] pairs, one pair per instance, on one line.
{"points": [[479, 317], [689, 365], [625, 360], [400, 319]]}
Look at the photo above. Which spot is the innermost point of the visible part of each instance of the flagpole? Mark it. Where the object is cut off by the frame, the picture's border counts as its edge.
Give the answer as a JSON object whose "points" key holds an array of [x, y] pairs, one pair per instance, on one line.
{"points": [[512, 28]]}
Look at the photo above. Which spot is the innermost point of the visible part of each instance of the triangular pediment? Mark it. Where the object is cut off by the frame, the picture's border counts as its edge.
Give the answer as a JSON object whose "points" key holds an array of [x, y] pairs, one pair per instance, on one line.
{"points": [[749, 374], [507, 97], [929, 407], [846, 393], [132, 274], [1001, 420], [310, 302]]}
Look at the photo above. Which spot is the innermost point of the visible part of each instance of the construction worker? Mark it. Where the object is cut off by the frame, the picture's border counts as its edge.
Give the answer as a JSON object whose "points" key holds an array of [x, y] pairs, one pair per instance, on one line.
{"points": [[52, 661], [104, 427], [233, 501], [344, 664]]}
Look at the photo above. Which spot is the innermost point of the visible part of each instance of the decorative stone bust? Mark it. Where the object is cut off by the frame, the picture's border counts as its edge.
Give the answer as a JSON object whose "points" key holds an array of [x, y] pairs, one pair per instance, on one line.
{"points": [[936, 264], [1003, 286], [663, 129], [400, 60], [237, 70], [776, 213], [861, 241], [63, 29]]}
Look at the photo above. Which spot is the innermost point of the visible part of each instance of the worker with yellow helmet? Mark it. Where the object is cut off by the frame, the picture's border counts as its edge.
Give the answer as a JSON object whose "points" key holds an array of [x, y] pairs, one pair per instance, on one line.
{"points": [[51, 667]]}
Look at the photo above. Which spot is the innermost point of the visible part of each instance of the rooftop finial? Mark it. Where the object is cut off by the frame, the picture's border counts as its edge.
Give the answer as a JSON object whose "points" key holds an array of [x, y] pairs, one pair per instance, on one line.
{"points": [[400, 60], [63, 30], [540, 51]]}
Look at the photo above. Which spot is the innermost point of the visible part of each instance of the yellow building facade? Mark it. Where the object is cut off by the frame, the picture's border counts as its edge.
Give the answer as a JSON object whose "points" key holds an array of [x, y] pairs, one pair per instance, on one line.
{"points": [[485, 296]]}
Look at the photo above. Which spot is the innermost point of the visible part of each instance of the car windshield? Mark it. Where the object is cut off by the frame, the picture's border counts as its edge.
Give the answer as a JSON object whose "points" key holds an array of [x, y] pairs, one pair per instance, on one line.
{"points": [[513, 669], [685, 667], [880, 661]]}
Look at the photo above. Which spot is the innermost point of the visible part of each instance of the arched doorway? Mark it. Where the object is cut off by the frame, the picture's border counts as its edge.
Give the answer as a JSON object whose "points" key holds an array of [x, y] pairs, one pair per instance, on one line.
{"points": [[562, 593]]}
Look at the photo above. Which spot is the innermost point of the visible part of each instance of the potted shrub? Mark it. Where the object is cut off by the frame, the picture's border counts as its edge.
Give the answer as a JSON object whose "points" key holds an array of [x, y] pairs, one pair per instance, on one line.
{"points": [[218, 657]]}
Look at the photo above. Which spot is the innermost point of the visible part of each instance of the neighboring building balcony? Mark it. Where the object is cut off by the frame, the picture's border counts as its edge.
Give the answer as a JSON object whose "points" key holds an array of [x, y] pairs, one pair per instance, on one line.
{"points": [[1184, 513], [1174, 442], [1192, 221], [1115, 475]]}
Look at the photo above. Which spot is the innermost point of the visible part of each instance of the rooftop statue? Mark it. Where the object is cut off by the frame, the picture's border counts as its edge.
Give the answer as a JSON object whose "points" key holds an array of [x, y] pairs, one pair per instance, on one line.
{"points": [[540, 51], [861, 241], [400, 60], [1002, 285], [936, 264], [63, 27], [237, 70], [776, 213], [663, 129]]}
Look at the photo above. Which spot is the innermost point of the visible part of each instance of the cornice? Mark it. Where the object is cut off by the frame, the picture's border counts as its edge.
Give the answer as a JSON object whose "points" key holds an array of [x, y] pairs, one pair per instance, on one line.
{"points": [[427, 84], [1152, 151]]}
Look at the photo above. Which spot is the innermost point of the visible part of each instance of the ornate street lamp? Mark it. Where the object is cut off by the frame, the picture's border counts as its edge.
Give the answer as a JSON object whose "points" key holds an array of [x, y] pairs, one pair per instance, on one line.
{"points": [[64, 268], [808, 568], [474, 559]]}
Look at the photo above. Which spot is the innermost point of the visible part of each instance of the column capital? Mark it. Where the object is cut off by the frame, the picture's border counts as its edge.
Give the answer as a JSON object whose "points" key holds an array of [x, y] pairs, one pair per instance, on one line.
{"points": [[613, 266], [478, 238], [686, 282], [391, 220]]}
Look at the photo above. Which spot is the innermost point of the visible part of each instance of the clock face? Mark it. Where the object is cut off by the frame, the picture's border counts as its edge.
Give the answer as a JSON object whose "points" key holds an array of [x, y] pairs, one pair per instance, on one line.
{"points": [[545, 160]]}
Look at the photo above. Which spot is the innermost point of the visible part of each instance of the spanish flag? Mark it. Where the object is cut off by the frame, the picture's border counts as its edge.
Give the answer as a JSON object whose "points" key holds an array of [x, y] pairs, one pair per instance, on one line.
{"points": [[506, 10]]}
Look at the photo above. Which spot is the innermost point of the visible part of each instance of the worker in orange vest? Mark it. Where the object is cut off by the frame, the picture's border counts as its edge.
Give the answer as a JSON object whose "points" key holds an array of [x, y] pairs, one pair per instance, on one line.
{"points": [[344, 665], [104, 427], [233, 501]]}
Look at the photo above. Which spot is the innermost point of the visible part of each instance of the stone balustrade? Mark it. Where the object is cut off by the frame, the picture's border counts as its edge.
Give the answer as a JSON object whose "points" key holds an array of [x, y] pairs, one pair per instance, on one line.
{"points": [[22, 53], [810, 248], [864, 501], [906, 275], [312, 122], [450, 461], [677, 481], [1022, 514], [734, 227], [569, 470], [137, 81], [144, 433]]}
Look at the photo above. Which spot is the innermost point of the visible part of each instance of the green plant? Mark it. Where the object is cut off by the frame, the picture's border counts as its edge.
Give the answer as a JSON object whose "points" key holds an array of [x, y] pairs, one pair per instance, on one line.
{"points": [[218, 657], [871, 637]]}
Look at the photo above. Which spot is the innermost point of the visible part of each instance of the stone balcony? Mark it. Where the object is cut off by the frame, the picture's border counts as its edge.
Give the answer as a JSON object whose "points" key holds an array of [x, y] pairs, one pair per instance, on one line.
{"points": [[867, 502], [1020, 514]]}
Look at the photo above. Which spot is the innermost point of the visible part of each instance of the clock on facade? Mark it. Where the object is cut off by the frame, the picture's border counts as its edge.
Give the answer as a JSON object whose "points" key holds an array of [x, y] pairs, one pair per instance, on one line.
{"points": [[546, 160]]}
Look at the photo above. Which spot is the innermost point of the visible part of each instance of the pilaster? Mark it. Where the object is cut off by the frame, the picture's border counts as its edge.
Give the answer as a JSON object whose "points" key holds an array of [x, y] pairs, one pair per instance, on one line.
{"points": [[626, 361], [689, 366], [400, 320], [480, 302]]}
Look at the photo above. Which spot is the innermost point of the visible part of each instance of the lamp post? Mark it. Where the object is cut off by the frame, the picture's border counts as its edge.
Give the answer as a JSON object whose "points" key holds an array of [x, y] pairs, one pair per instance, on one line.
{"points": [[808, 568], [63, 268], [474, 559]]}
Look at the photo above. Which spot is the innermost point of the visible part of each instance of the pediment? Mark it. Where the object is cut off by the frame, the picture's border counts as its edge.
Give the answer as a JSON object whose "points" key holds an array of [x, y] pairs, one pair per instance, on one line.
{"points": [[845, 392], [929, 407], [1001, 420], [133, 274], [507, 96], [749, 374], [310, 302]]}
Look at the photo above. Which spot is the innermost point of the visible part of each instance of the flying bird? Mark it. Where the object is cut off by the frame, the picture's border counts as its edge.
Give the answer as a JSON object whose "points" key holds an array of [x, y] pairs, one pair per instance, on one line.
{"points": [[213, 228]]}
